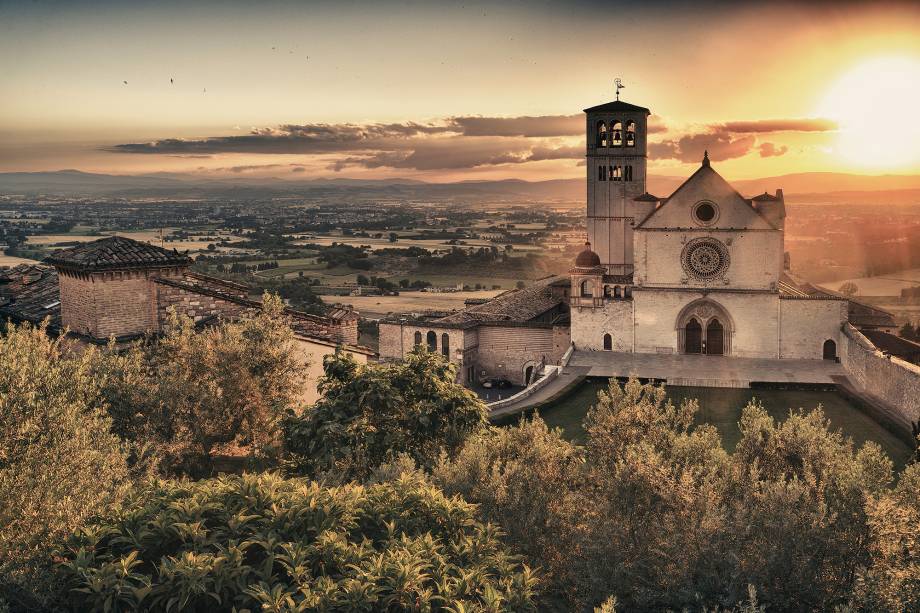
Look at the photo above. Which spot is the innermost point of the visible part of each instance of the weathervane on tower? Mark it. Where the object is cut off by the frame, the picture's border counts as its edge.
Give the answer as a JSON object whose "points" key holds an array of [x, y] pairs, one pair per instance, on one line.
{"points": [[618, 82]]}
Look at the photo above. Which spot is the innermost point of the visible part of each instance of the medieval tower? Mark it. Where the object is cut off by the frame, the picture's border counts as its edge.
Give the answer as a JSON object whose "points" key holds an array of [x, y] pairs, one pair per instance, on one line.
{"points": [[616, 164]]}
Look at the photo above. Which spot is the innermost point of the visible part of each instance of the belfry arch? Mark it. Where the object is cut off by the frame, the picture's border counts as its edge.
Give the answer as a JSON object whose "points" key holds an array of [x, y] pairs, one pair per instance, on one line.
{"points": [[704, 327]]}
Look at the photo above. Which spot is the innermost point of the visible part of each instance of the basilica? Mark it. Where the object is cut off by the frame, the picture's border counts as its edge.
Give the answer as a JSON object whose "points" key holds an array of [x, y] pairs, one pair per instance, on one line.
{"points": [[701, 271]]}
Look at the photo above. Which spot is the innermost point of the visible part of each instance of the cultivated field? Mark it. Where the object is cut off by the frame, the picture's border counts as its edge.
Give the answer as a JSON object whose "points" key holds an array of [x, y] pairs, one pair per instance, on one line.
{"points": [[9, 260], [884, 285]]}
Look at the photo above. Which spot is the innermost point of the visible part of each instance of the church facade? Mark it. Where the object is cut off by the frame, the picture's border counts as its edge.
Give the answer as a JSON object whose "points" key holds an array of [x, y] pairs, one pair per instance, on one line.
{"points": [[699, 272], [702, 271]]}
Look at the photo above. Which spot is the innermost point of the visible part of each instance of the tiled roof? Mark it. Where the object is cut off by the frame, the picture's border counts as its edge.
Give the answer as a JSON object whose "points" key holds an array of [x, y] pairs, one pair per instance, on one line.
{"points": [[116, 253], [895, 345], [517, 305], [617, 106], [29, 292]]}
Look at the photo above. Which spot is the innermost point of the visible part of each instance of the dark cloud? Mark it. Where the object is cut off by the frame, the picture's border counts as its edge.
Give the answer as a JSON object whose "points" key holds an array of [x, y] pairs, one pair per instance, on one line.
{"points": [[770, 150], [298, 169], [690, 148], [542, 126], [776, 125]]}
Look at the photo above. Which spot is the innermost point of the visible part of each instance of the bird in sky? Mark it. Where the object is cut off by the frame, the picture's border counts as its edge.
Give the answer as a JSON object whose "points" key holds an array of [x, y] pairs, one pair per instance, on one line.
{"points": [[125, 82], [170, 80]]}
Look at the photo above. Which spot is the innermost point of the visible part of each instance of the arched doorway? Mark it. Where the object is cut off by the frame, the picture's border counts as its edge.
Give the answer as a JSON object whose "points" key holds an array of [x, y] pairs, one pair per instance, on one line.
{"points": [[704, 327], [715, 337], [608, 342], [693, 337], [830, 350], [528, 375], [432, 339]]}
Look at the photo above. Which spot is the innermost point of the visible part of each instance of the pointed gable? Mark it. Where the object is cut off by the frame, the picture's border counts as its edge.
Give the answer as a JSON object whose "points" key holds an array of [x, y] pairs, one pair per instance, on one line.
{"points": [[732, 211]]}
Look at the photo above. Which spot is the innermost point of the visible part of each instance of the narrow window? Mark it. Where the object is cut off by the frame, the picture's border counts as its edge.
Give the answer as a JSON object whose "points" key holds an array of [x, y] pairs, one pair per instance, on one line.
{"points": [[617, 174], [608, 342], [617, 136], [418, 339], [627, 173], [432, 339], [630, 134], [586, 288], [607, 292], [601, 134], [445, 345], [616, 292], [601, 173]]}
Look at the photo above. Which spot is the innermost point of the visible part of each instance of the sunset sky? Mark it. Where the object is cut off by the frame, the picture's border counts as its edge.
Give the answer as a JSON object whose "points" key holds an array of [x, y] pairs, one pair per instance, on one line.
{"points": [[453, 91]]}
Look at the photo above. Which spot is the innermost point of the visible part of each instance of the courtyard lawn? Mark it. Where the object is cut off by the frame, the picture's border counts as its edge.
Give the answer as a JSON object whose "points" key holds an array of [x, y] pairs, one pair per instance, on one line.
{"points": [[722, 407]]}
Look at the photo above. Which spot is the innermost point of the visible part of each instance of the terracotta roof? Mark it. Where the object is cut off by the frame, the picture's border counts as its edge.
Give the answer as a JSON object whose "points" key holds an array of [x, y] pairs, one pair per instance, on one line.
{"points": [[29, 292], [517, 305], [116, 253], [618, 106]]}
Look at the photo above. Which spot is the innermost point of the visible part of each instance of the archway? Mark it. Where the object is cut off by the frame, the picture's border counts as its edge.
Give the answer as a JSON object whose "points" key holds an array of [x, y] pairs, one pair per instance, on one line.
{"points": [[432, 339], [608, 342], [715, 336], [830, 350], [528, 375], [704, 327], [693, 337]]}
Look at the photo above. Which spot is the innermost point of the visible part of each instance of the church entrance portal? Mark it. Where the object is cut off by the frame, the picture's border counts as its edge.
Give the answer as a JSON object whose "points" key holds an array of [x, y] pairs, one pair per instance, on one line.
{"points": [[704, 327]]}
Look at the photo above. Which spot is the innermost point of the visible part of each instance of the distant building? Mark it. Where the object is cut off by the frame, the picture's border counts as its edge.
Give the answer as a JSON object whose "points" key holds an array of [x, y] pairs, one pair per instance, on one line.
{"points": [[122, 289], [703, 271]]}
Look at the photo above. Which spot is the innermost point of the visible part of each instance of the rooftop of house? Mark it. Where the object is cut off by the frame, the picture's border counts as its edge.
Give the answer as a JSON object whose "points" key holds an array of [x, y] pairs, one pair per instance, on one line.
{"points": [[29, 292], [618, 106], [116, 253], [517, 305], [895, 345]]}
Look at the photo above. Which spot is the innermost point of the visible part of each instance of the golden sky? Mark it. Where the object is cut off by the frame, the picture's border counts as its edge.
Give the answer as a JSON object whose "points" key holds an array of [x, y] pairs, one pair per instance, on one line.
{"points": [[452, 91]]}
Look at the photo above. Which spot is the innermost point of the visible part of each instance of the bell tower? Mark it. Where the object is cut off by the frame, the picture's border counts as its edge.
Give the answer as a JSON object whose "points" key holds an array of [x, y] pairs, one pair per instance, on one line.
{"points": [[616, 163]]}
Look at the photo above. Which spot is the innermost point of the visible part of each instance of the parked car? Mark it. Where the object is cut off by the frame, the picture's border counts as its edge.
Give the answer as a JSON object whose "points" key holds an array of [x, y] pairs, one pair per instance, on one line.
{"points": [[497, 383]]}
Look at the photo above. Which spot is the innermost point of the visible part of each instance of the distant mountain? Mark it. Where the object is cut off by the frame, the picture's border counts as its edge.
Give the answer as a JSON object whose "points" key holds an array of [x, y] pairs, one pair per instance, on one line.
{"points": [[807, 187]]}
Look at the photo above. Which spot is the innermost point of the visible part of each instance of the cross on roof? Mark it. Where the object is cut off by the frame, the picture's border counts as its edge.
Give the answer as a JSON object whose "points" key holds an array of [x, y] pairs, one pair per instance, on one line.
{"points": [[618, 83]]}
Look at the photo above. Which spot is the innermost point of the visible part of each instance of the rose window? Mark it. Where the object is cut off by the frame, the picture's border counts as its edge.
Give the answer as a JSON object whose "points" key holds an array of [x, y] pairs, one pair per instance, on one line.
{"points": [[705, 258]]}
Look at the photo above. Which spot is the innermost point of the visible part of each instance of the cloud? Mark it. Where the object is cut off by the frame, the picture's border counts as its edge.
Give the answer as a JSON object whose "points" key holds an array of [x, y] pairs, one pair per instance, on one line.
{"points": [[770, 150], [691, 148], [776, 125], [541, 126]]}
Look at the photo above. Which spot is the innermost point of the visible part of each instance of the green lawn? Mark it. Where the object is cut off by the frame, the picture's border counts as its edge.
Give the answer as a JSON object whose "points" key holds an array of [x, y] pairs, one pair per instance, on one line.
{"points": [[722, 408]]}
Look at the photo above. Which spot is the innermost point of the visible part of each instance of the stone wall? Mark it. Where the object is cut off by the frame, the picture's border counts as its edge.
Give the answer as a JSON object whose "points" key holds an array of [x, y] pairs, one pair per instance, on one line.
{"points": [[615, 317], [754, 320], [893, 380], [507, 351], [106, 304], [312, 353], [194, 304], [806, 324]]}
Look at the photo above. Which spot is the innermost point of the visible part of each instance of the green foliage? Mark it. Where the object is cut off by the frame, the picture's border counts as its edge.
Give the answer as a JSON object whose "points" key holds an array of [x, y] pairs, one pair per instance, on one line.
{"points": [[653, 510], [369, 414], [260, 542], [59, 463], [192, 390]]}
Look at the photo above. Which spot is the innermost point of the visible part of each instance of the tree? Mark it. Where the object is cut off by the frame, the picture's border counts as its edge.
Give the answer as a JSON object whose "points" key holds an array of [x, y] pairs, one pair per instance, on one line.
{"points": [[908, 331], [393, 237], [260, 542], [849, 289], [191, 390], [371, 413], [59, 463], [652, 510]]}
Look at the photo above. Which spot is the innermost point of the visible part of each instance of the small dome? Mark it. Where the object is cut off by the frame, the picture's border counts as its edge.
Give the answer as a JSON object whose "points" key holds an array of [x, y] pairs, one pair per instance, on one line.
{"points": [[587, 258]]}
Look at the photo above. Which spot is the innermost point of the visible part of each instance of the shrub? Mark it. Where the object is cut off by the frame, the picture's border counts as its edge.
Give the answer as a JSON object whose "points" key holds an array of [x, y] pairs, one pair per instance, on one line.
{"points": [[59, 463], [263, 542], [371, 413]]}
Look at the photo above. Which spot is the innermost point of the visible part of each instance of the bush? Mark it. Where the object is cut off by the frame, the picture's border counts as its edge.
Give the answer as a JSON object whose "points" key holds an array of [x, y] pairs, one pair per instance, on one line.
{"points": [[370, 414], [59, 463], [262, 542], [653, 511]]}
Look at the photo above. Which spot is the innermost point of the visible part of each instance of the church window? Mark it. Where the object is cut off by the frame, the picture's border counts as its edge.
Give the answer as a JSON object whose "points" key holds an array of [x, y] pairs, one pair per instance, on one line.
{"points": [[445, 345], [627, 173], [601, 134], [608, 342], [705, 212], [705, 259], [586, 288], [601, 173], [418, 339], [432, 339], [630, 134], [617, 174], [616, 138]]}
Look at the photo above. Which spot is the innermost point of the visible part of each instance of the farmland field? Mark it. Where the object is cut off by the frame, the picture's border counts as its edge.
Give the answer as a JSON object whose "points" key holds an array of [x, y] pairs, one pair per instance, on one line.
{"points": [[889, 284], [10, 260], [407, 302]]}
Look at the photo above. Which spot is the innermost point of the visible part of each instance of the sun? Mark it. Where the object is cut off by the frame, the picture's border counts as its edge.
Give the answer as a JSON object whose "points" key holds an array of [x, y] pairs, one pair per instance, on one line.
{"points": [[876, 106]]}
